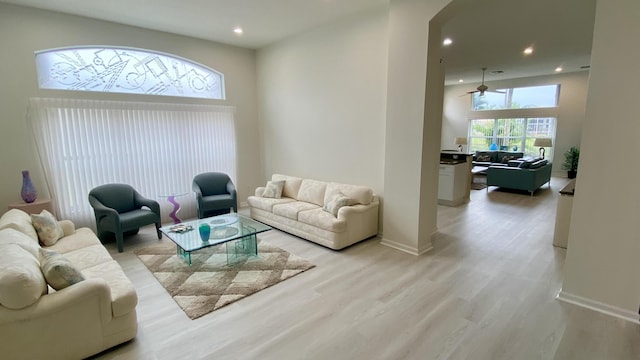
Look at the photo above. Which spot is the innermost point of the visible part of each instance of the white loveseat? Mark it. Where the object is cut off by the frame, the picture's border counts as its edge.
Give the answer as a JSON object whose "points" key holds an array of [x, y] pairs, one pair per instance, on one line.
{"points": [[77, 321], [305, 209]]}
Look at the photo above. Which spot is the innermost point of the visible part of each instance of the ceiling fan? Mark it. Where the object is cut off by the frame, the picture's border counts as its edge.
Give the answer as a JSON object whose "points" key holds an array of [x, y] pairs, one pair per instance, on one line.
{"points": [[483, 88]]}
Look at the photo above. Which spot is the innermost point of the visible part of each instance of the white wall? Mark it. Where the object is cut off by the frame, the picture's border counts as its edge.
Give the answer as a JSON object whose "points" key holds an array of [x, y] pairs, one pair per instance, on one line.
{"points": [[24, 30], [322, 102], [602, 267], [570, 112]]}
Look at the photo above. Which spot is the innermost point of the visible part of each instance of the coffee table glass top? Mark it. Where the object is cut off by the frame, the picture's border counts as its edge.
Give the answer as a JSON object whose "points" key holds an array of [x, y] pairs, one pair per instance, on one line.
{"points": [[224, 228]]}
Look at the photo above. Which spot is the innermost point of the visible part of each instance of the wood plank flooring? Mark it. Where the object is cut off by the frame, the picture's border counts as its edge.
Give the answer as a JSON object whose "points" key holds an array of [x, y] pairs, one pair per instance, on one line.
{"points": [[486, 291]]}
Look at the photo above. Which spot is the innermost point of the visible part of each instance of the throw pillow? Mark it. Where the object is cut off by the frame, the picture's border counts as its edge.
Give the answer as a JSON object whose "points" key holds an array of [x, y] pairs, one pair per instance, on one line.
{"points": [[58, 270], [507, 158], [334, 204], [47, 227], [483, 158], [273, 189]]}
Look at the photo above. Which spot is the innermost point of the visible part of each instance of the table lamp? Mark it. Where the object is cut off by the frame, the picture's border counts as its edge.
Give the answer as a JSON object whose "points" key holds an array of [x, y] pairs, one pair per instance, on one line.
{"points": [[543, 143], [460, 141]]}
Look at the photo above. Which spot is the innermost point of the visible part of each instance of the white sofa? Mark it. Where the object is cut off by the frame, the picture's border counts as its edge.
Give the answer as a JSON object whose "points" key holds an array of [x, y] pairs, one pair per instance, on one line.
{"points": [[82, 319], [301, 210]]}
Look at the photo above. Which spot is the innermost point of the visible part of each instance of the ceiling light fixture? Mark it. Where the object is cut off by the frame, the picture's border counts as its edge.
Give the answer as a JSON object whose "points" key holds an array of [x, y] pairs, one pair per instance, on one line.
{"points": [[559, 68], [461, 81], [447, 42], [528, 51], [238, 31]]}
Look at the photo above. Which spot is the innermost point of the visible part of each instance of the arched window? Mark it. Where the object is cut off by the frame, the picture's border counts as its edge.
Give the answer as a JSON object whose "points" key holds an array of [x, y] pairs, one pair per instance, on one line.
{"points": [[126, 70]]}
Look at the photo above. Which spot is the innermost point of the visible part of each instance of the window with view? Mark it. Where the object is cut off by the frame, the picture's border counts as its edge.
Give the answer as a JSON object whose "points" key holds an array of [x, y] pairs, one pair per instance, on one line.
{"points": [[517, 98], [513, 118], [517, 134]]}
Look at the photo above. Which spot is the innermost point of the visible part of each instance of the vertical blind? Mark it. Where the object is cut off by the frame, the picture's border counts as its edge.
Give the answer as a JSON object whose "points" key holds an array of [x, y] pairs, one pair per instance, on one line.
{"points": [[156, 148]]}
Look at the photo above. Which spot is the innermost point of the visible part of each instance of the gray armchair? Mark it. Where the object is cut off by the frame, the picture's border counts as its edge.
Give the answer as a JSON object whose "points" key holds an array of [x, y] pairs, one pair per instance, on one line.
{"points": [[118, 209], [215, 194]]}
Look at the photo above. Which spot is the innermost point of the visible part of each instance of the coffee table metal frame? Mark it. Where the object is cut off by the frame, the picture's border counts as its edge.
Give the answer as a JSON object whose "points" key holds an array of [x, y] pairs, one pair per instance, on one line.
{"points": [[237, 232]]}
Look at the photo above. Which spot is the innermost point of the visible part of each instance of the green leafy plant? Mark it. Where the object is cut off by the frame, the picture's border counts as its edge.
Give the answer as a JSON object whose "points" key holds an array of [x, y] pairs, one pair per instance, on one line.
{"points": [[571, 158]]}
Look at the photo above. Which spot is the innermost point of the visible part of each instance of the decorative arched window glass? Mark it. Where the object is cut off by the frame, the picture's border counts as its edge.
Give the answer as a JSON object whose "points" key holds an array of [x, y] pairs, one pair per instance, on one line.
{"points": [[126, 70]]}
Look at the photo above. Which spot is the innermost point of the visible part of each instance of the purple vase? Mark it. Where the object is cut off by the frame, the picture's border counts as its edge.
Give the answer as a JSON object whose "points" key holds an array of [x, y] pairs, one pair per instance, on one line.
{"points": [[28, 193]]}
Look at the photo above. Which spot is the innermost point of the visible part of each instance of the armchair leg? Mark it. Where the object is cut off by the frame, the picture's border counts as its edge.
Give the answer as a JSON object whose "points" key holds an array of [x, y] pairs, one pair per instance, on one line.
{"points": [[158, 231], [119, 241]]}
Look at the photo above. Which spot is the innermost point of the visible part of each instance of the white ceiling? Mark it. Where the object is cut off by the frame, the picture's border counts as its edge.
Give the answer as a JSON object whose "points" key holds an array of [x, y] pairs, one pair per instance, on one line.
{"points": [[490, 33]]}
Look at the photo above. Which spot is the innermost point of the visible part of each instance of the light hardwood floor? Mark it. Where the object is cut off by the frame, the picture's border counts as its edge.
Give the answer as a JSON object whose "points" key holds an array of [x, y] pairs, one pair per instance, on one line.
{"points": [[486, 291]]}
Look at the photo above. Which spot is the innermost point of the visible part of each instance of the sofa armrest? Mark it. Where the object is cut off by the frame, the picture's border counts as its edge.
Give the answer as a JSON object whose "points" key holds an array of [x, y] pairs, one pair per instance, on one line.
{"points": [[68, 227], [95, 291], [69, 323], [259, 191], [353, 210]]}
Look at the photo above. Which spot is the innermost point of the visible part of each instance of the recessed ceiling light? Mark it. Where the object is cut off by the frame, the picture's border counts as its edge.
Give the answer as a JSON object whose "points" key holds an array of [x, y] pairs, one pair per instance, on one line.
{"points": [[528, 51], [447, 42], [559, 68], [238, 31], [461, 80]]}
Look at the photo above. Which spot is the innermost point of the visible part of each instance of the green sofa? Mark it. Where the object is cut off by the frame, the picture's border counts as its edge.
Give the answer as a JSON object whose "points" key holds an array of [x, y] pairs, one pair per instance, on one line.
{"points": [[520, 175]]}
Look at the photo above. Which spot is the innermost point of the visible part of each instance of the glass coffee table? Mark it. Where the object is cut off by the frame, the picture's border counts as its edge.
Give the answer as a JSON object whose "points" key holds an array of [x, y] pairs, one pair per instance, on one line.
{"points": [[238, 232]]}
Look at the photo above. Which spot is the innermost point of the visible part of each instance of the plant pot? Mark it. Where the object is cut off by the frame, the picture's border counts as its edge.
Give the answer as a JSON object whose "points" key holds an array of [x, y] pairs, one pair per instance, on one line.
{"points": [[572, 174]]}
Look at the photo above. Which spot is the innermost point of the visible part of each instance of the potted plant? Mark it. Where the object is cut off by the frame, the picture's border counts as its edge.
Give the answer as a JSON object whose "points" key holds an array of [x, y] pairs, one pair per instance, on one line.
{"points": [[570, 164]]}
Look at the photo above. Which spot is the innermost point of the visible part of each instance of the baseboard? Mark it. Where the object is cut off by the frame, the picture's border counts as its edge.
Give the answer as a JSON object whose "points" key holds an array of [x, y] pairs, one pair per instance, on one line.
{"points": [[404, 247], [598, 306]]}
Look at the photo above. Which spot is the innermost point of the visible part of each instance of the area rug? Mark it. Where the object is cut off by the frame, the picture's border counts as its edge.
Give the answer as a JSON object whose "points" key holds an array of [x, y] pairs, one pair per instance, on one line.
{"points": [[209, 283]]}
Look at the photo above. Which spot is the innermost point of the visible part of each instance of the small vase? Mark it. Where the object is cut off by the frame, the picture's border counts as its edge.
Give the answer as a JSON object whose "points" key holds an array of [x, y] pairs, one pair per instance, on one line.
{"points": [[28, 193], [205, 231]]}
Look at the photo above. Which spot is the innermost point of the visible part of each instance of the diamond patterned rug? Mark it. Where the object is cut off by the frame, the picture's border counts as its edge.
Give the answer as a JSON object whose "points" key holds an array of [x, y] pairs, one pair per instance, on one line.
{"points": [[209, 283]]}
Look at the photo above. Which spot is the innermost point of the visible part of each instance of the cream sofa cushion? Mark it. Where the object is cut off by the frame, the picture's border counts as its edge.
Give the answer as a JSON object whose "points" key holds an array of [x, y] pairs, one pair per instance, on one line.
{"points": [[123, 295], [88, 256], [291, 185], [267, 204], [19, 220], [291, 210], [21, 281], [322, 219], [312, 191], [12, 236], [358, 194], [81, 238]]}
